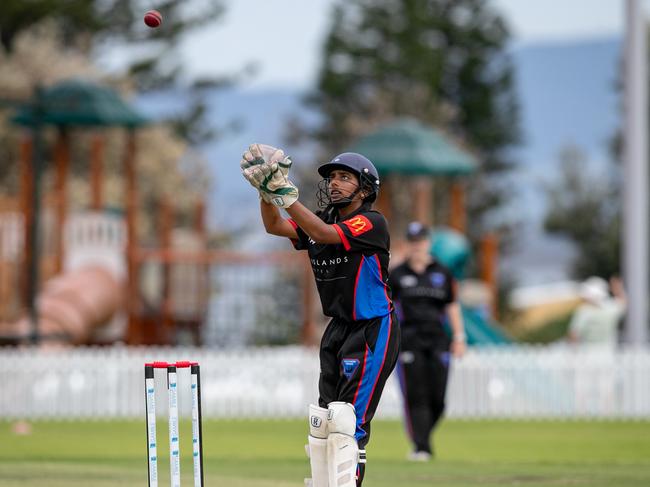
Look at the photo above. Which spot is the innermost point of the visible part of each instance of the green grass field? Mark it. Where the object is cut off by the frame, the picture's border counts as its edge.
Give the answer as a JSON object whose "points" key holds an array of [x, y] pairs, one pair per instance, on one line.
{"points": [[265, 453]]}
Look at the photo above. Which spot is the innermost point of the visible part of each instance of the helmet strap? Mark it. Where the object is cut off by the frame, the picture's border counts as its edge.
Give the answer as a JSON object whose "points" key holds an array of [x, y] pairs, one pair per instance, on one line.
{"points": [[343, 202]]}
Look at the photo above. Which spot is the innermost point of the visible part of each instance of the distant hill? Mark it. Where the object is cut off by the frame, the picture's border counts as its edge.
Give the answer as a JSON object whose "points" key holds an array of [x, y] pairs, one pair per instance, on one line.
{"points": [[567, 95]]}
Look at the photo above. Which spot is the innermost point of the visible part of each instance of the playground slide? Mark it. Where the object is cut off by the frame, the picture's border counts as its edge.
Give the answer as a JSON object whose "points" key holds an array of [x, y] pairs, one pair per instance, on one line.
{"points": [[72, 305], [480, 331]]}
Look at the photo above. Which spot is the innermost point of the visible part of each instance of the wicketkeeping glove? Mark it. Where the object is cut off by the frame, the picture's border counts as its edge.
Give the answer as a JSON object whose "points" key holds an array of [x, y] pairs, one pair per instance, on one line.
{"points": [[273, 186], [265, 153], [259, 153], [249, 160], [266, 168]]}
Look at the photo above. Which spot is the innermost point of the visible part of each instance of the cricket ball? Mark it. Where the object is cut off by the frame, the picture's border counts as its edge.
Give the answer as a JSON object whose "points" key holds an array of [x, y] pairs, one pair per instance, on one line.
{"points": [[153, 18]]}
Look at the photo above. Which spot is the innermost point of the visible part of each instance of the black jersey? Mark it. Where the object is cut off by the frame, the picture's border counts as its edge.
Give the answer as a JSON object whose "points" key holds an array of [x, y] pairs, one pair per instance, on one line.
{"points": [[421, 299], [352, 276]]}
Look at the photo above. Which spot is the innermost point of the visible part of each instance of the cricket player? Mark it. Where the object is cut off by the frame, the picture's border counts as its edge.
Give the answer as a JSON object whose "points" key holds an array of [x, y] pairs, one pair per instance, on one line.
{"points": [[425, 298], [348, 245]]}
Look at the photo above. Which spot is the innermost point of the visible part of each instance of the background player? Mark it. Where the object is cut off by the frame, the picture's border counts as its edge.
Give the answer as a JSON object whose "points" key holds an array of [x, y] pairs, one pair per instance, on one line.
{"points": [[425, 297], [348, 245]]}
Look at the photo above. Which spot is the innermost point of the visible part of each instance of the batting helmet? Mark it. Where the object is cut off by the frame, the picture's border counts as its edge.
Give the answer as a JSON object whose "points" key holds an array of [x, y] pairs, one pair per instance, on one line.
{"points": [[357, 164]]}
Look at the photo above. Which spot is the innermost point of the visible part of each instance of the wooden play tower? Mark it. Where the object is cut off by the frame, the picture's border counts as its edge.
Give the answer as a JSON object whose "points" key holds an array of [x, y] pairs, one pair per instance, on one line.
{"points": [[67, 106], [408, 148]]}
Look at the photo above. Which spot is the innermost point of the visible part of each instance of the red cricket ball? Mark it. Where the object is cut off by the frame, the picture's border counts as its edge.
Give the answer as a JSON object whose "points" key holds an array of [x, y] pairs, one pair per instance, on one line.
{"points": [[153, 18]]}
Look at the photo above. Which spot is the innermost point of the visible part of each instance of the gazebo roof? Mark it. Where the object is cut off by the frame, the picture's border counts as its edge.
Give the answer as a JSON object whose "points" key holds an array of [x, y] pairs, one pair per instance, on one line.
{"points": [[407, 146], [80, 103]]}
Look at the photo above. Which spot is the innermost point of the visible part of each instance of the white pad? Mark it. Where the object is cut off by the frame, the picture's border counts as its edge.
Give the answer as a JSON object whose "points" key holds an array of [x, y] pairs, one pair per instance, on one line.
{"points": [[342, 448], [317, 447], [318, 427], [341, 418]]}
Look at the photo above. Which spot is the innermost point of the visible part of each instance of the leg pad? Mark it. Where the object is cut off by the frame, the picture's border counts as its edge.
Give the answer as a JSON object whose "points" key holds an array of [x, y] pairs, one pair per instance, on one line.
{"points": [[317, 446], [342, 448], [342, 458]]}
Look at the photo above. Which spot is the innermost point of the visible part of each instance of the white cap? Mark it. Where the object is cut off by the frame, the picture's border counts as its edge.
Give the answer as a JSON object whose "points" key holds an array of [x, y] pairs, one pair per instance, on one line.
{"points": [[594, 289]]}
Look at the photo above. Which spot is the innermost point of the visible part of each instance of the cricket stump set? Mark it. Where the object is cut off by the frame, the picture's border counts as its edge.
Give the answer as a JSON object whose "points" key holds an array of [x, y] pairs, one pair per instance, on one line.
{"points": [[174, 445]]}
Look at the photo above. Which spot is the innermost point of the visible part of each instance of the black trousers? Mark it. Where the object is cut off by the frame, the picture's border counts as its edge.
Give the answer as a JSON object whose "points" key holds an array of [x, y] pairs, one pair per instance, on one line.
{"points": [[356, 359], [423, 374]]}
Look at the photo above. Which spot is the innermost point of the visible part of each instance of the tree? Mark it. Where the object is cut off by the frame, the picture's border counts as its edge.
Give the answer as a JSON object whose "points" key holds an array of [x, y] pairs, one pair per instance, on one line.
{"points": [[74, 16], [587, 210], [91, 26], [442, 61], [165, 164]]}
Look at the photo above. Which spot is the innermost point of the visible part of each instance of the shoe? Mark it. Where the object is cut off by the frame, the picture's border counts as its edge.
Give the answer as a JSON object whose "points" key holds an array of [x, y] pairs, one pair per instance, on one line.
{"points": [[419, 456]]}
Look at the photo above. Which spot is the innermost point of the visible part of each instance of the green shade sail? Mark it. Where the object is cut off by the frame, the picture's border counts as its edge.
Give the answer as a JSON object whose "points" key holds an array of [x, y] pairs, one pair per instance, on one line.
{"points": [[409, 147], [79, 103]]}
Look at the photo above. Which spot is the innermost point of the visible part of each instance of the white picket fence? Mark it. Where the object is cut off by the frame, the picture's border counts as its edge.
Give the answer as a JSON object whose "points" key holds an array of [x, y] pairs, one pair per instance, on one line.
{"points": [[504, 382]]}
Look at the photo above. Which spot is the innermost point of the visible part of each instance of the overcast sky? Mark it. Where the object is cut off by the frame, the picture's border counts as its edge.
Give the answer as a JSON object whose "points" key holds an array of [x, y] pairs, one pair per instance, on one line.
{"points": [[284, 37]]}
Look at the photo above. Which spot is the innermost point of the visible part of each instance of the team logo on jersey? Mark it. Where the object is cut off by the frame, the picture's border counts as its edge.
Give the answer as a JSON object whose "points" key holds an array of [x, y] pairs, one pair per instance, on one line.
{"points": [[438, 279], [349, 366], [358, 224], [408, 281]]}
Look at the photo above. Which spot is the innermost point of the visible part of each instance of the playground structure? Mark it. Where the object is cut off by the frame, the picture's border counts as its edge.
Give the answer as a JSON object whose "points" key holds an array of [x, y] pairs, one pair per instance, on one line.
{"points": [[183, 292], [66, 276], [83, 277], [86, 295], [418, 154]]}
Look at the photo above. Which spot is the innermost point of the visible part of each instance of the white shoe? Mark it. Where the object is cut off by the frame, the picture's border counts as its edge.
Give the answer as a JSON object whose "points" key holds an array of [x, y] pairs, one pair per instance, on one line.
{"points": [[419, 456]]}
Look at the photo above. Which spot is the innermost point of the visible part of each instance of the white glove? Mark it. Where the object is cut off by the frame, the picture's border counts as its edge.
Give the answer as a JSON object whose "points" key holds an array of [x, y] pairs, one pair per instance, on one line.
{"points": [[284, 196], [258, 154], [273, 186], [271, 154], [248, 161], [266, 168]]}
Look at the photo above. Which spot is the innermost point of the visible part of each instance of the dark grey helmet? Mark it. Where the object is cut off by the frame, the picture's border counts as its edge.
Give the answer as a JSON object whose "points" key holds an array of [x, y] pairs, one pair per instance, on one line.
{"points": [[359, 165]]}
